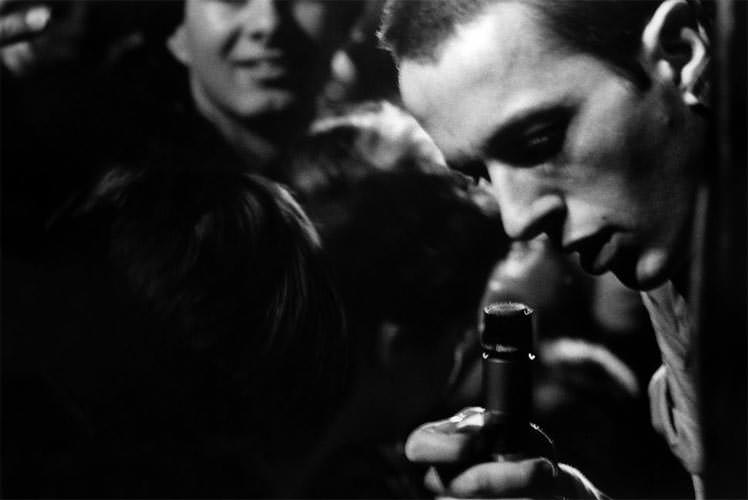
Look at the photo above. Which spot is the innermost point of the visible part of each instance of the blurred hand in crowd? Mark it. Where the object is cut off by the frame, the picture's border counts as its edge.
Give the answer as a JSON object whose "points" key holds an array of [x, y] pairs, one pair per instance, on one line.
{"points": [[35, 35]]}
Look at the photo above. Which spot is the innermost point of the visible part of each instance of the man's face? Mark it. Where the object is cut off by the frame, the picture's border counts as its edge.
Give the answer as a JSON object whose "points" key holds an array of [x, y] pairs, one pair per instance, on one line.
{"points": [[573, 148], [248, 58]]}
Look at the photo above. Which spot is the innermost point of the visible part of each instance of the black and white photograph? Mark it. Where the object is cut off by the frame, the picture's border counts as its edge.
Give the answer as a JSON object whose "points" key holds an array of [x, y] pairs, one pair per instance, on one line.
{"points": [[374, 249]]}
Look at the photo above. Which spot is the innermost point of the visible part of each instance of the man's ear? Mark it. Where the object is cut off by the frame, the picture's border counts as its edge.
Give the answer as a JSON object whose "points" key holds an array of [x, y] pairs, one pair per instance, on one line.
{"points": [[177, 44], [675, 49]]}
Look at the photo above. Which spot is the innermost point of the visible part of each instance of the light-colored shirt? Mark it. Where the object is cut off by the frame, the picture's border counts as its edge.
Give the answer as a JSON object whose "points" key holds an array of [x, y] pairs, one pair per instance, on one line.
{"points": [[672, 391]]}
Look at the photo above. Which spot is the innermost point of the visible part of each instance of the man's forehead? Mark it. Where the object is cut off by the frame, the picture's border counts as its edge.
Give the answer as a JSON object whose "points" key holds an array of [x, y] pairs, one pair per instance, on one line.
{"points": [[489, 69]]}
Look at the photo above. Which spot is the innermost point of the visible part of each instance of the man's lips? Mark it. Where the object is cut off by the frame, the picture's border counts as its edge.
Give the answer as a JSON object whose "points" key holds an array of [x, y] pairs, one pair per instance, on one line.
{"points": [[264, 66], [596, 252], [264, 70]]}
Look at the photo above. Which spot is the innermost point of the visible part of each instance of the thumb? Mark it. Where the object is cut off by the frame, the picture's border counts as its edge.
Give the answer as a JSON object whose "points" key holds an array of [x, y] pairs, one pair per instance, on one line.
{"points": [[445, 441]]}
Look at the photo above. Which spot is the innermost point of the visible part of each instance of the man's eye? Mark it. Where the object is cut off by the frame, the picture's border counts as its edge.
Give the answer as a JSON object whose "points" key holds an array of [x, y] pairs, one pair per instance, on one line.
{"points": [[535, 146]]}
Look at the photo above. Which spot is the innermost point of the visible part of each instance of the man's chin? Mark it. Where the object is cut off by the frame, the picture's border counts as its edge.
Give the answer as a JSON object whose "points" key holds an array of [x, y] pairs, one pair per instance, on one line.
{"points": [[636, 276]]}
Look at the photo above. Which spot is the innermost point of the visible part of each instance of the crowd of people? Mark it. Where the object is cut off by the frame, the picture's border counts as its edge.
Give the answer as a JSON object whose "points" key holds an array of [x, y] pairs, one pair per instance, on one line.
{"points": [[236, 265]]}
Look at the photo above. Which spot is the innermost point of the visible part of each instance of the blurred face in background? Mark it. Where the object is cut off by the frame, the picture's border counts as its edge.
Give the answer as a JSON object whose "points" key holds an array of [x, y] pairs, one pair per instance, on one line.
{"points": [[252, 58]]}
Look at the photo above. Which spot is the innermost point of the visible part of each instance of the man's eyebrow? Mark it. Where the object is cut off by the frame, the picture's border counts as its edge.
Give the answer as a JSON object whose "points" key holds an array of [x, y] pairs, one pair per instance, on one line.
{"points": [[517, 124]]}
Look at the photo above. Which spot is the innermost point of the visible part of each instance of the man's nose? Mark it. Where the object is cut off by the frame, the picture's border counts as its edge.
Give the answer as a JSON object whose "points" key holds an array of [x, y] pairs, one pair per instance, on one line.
{"points": [[527, 207], [261, 19]]}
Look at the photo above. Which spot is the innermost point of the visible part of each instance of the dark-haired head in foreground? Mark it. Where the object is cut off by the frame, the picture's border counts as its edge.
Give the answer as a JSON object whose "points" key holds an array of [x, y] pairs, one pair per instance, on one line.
{"points": [[231, 263], [198, 341], [411, 246]]}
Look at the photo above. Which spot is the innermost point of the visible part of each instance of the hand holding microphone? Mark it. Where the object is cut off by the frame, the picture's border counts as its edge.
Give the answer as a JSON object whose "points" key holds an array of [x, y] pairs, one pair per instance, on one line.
{"points": [[496, 452]]}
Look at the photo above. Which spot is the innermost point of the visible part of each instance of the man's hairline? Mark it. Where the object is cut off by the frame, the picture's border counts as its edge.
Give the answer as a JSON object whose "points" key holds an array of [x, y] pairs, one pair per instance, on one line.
{"points": [[434, 55]]}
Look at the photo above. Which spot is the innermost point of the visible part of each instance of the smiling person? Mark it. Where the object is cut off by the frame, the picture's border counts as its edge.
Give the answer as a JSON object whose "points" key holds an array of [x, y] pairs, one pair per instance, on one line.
{"points": [[234, 88], [239, 79], [257, 67], [589, 119], [246, 90]]}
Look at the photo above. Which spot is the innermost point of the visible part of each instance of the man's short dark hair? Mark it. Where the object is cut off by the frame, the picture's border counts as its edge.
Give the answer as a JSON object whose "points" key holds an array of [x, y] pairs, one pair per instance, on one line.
{"points": [[414, 29], [608, 29]]}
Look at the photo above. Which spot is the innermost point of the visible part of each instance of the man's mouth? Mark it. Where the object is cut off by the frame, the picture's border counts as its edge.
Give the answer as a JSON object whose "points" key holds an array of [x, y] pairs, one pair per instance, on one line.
{"points": [[266, 70], [596, 252], [268, 67]]}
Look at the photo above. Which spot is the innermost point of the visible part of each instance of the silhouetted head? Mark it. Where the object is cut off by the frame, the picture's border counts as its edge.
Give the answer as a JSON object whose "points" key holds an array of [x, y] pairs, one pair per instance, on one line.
{"points": [[411, 245]]}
